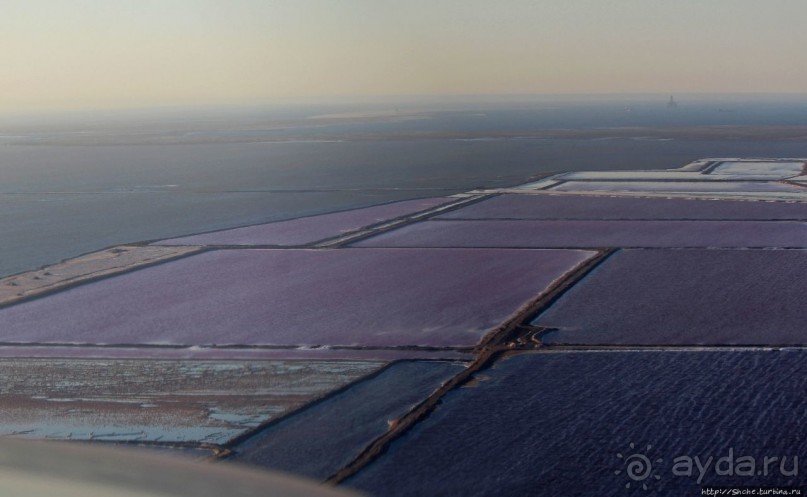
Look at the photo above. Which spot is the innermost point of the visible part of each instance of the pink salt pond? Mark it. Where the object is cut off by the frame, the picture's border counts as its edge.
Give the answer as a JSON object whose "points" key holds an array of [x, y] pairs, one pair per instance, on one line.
{"points": [[307, 230], [363, 297]]}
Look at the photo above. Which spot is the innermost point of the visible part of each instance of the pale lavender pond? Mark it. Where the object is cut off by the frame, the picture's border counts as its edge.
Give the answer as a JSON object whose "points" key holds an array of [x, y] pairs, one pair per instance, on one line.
{"points": [[298, 297], [555, 207], [309, 229], [228, 353], [685, 297], [675, 186], [590, 234]]}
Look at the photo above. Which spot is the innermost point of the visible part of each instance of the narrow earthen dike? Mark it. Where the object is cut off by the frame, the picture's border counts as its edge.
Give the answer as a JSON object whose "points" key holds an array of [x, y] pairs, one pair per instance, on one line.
{"points": [[514, 334]]}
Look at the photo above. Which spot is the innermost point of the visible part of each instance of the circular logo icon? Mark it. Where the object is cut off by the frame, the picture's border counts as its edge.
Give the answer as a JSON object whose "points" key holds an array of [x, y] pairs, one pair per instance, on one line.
{"points": [[637, 466]]}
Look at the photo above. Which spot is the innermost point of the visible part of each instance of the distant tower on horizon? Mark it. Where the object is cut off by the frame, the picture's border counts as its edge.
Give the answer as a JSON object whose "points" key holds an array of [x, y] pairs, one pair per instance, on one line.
{"points": [[672, 104]]}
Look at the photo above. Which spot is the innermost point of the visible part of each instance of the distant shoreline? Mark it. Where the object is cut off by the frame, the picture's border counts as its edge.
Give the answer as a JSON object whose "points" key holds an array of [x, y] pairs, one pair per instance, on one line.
{"points": [[683, 133]]}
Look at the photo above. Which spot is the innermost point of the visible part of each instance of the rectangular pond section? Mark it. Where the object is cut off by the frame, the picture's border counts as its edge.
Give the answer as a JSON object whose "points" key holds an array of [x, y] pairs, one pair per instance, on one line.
{"points": [[775, 169], [593, 234], [563, 207], [293, 297], [676, 186], [307, 230], [685, 297], [572, 423]]}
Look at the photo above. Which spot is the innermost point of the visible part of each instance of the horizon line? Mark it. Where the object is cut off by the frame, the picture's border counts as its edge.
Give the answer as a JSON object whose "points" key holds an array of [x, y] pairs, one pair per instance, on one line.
{"points": [[372, 99]]}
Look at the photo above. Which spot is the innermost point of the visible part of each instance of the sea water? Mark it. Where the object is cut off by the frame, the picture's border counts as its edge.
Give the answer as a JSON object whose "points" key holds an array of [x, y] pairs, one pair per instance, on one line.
{"points": [[76, 183]]}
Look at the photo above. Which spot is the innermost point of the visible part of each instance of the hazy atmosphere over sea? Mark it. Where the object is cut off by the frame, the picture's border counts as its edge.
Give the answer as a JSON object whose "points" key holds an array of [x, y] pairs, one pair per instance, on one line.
{"points": [[78, 182], [126, 120]]}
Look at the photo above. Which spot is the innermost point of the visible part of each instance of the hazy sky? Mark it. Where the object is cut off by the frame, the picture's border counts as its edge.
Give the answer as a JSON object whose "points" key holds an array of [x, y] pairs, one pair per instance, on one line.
{"points": [[124, 53]]}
